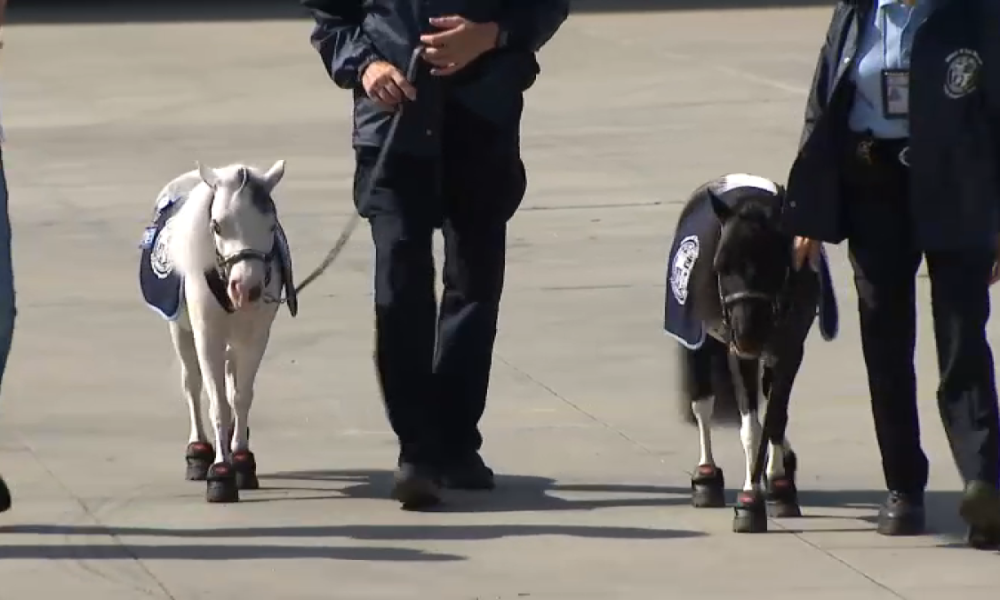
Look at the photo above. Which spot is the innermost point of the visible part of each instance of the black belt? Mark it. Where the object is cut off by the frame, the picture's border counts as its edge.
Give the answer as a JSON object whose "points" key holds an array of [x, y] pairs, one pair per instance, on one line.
{"points": [[871, 151]]}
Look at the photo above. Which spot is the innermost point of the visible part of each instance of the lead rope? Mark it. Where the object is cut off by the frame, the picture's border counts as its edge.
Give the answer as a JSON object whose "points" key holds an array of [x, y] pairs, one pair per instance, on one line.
{"points": [[376, 173]]}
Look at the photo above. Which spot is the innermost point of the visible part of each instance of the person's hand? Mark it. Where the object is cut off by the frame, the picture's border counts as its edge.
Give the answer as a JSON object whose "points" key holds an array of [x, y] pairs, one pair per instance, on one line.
{"points": [[461, 42], [805, 249], [995, 275], [386, 84]]}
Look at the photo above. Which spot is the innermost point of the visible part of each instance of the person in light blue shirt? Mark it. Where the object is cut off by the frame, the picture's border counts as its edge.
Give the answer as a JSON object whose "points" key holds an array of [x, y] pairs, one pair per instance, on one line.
{"points": [[882, 65], [904, 169]]}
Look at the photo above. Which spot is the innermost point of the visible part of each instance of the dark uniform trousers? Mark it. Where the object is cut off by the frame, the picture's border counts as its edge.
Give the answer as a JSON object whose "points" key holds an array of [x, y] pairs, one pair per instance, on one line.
{"points": [[434, 365], [885, 263]]}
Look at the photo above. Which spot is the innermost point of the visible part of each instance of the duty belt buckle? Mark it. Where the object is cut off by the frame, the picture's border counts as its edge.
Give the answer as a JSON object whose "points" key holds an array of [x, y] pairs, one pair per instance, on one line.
{"points": [[904, 156], [864, 151]]}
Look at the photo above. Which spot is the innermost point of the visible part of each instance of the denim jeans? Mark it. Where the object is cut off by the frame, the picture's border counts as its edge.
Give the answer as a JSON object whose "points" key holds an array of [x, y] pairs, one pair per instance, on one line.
{"points": [[7, 307]]}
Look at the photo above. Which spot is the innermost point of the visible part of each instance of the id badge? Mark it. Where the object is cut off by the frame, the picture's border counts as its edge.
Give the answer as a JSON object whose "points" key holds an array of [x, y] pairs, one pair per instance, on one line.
{"points": [[895, 93]]}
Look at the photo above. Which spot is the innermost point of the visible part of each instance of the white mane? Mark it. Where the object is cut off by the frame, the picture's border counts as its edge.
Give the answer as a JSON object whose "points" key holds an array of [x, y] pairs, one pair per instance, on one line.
{"points": [[192, 248]]}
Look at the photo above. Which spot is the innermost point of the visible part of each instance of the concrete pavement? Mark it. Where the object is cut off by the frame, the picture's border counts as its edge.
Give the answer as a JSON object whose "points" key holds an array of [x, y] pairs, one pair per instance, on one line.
{"points": [[631, 112]]}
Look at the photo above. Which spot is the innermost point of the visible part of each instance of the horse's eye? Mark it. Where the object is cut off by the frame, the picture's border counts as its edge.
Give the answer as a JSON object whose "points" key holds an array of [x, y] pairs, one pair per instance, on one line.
{"points": [[215, 227]]}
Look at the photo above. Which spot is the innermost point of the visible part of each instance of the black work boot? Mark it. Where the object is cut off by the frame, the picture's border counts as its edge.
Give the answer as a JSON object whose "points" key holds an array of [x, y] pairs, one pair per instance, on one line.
{"points": [[902, 514], [468, 473], [415, 486], [980, 508]]}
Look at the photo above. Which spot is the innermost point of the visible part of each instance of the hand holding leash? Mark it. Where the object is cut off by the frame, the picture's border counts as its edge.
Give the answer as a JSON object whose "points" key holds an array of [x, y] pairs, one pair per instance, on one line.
{"points": [[411, 75]]}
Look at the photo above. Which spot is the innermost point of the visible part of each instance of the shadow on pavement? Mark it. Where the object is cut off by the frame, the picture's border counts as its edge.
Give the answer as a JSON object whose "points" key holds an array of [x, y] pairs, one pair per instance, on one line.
{"points": [[215, 552], [514, 493], [151, 11]]}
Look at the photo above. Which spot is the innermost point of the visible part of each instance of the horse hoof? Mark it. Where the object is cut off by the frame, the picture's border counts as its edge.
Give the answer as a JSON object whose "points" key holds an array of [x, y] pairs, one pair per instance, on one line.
{"points": [[199, 457], [245, 467], [708, 487], [750, 513], [222, 484], [783, 498]]}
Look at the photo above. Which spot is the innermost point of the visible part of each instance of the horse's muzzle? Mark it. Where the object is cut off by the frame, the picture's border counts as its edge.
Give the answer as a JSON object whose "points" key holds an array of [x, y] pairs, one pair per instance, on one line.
{"points": [[242, 297]]}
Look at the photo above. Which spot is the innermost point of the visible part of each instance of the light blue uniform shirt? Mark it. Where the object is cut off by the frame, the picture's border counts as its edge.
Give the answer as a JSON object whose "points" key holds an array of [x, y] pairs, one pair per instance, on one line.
{"points": [[886, 40]]}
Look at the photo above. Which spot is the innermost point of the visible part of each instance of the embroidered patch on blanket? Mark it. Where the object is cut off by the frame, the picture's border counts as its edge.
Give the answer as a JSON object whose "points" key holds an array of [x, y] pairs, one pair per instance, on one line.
{"points": [[159, 281], [691, 238]]}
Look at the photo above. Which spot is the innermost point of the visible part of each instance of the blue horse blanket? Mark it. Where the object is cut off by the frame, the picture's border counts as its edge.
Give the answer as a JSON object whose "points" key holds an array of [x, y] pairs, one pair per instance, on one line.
{"points": [[161, 285], [696, 232]]}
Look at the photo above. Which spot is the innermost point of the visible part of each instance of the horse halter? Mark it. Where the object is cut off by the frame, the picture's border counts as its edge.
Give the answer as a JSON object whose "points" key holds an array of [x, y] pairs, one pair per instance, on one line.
{"points": [[224, 264], [775, 300]]}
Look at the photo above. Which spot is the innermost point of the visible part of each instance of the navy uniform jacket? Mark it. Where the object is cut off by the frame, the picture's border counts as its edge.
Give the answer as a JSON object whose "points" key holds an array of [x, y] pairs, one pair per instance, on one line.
{"points": [[954, 128], [350, 34]]}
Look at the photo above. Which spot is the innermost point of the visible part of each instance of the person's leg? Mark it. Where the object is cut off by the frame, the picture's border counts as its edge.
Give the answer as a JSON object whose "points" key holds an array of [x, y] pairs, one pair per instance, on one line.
{"points": [[8, 310], [400, 214], [484, 183], [885, 266], [967, 396]]}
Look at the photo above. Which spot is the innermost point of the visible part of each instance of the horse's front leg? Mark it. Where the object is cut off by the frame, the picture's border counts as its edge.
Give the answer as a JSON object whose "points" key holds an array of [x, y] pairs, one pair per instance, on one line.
{"points": [[751, 510], [782, 494], [199, 453], [210, 333], [246, 358]]}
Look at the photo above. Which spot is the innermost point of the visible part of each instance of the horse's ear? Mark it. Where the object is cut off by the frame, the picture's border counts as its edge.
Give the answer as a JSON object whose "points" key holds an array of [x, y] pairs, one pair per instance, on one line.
{"points": [[208, 175], [274, 175], [721, 209]]}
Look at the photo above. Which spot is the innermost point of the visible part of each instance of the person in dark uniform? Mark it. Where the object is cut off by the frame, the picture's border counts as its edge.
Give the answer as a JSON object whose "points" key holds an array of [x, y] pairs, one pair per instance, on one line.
{"points": [[453, 164], [899, 156]]}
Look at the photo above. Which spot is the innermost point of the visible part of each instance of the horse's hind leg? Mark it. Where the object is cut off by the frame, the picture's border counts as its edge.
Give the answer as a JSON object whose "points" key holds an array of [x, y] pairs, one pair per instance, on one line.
{"points": [[707, 483], [199, 452], [750, 511]]}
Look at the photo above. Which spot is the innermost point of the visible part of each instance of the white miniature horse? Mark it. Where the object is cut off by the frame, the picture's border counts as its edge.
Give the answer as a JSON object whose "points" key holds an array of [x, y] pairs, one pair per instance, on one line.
{"points": [[214, 263]]}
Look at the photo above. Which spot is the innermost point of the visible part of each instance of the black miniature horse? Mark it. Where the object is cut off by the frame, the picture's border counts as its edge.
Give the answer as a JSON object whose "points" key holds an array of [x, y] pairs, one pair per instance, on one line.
{"points": [[742, 312]]}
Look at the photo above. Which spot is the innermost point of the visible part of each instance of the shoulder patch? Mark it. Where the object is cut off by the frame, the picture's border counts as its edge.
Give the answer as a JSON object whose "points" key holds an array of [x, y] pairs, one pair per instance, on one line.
{"points": [[963, 72]]}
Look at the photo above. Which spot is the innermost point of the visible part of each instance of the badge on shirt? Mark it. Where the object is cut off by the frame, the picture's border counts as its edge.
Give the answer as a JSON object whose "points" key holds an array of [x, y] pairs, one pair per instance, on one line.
{"points": [[895, 93]]}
